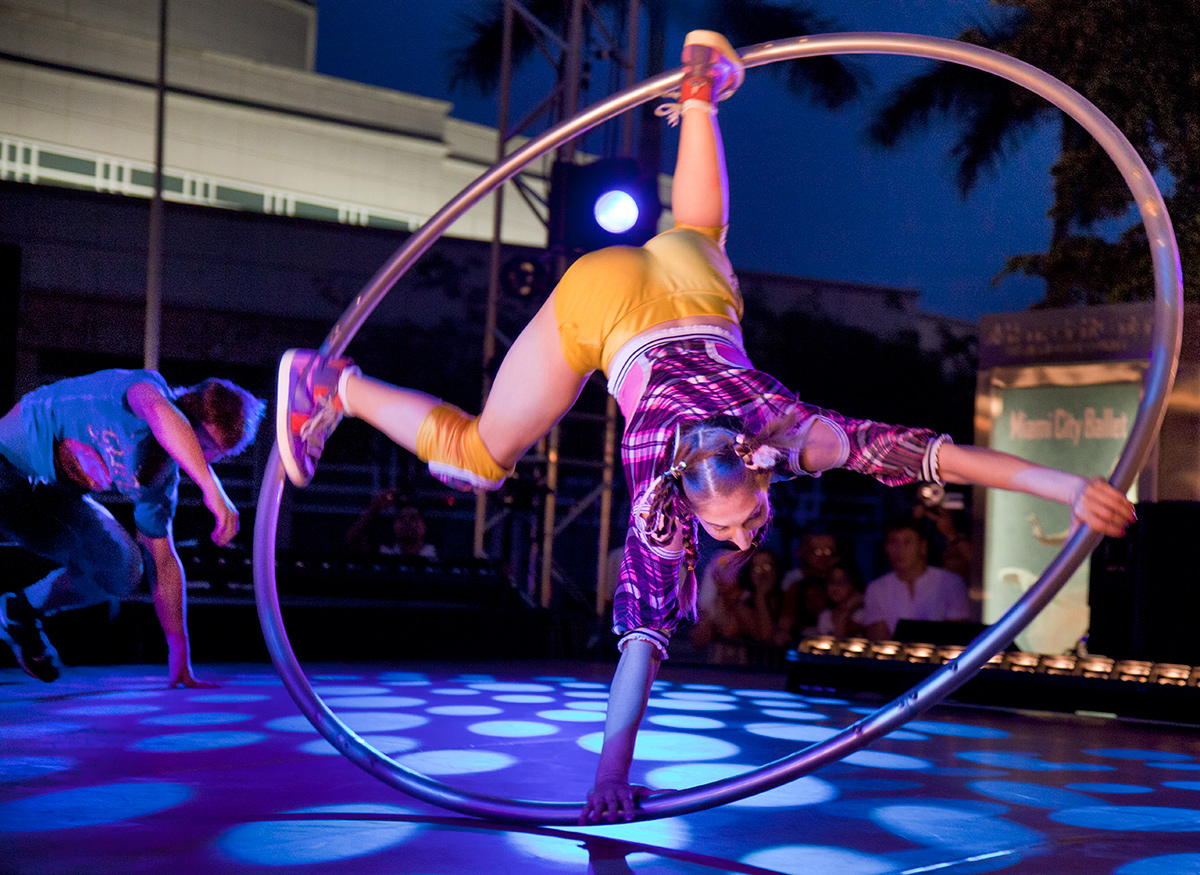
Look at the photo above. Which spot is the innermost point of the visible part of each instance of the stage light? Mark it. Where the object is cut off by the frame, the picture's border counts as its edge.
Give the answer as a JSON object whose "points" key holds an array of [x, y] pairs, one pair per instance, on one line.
{"points": [[1058, 664], [604, 203], [1133, 670], [1095, 667], [1170, 673], [1023, 661], [616, 211]]}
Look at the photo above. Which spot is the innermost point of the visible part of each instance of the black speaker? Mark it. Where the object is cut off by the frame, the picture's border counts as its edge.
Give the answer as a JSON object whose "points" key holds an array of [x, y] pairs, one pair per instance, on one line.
{"points": [[1145, 587]]}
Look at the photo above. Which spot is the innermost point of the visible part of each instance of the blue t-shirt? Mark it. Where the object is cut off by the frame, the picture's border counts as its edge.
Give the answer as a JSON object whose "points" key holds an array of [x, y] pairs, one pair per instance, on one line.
{"points": [[94, 410]]}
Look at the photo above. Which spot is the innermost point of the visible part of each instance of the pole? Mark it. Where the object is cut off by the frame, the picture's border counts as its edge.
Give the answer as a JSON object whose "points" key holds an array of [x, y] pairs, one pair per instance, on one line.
{"points": [[154, 244]]}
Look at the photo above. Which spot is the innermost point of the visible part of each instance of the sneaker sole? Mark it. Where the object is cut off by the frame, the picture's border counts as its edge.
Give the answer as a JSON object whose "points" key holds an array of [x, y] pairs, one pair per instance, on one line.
{"points": [[19, 657], [283, 425]]}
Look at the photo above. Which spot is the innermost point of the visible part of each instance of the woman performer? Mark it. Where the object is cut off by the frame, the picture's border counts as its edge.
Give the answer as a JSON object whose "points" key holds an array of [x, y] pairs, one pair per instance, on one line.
{"points": [[705, 432]]}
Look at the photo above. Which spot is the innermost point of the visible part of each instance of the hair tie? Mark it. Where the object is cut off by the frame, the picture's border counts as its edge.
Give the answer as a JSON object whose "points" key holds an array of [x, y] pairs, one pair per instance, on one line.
{"points": [[756, 460], [677, 469]]}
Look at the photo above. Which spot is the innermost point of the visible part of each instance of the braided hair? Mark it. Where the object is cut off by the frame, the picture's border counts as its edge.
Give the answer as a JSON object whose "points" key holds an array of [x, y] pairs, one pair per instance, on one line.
{"points": [[712, 457]]}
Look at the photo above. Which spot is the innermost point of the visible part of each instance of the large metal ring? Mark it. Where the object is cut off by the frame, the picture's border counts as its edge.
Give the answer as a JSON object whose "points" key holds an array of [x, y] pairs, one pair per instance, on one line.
{"points": [[1159, 378]]}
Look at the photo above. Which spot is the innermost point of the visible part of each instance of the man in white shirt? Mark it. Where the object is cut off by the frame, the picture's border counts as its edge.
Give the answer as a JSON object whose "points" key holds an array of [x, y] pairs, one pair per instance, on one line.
{"points": [[912, 590]]}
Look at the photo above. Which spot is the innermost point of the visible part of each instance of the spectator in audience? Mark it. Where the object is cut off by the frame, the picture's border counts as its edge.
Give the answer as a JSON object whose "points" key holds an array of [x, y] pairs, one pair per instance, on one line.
{"points": [[843, 615], [804, 585], [955, 546], [406, 535], [745, 610], [913, 589]]}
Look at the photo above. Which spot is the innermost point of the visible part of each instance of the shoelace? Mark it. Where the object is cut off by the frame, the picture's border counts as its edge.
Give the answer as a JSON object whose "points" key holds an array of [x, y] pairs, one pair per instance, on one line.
{"points": [[673, 110], [323, 420]]}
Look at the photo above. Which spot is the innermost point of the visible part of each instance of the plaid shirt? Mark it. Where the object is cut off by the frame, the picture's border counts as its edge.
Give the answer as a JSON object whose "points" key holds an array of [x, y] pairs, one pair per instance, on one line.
{"points": [[693, 379]]}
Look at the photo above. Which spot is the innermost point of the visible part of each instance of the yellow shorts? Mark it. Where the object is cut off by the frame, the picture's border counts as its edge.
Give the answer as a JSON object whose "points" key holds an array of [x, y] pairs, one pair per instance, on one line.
{"points": [[609, 296]]}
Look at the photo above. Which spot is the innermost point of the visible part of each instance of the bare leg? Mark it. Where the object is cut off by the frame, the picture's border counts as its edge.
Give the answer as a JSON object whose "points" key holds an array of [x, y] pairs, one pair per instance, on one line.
{"points": [[533, 389], [699, 195]]}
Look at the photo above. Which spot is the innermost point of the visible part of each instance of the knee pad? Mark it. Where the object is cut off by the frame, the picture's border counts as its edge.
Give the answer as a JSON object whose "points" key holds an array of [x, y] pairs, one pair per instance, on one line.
{"points": [[449, 442]]}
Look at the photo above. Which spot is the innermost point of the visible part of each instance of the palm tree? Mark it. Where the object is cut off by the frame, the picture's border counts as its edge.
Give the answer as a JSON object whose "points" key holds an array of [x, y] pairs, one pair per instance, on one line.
{"points": [[828, 81], [1135, 59]]}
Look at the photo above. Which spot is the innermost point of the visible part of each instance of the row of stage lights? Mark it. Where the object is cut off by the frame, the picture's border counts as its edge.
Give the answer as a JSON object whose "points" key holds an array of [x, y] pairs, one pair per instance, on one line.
{"points": [[1094, 667]]}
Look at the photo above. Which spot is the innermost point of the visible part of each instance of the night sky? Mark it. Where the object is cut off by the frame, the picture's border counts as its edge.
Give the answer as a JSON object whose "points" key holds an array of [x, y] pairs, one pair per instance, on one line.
{"points": [[809, 196]]}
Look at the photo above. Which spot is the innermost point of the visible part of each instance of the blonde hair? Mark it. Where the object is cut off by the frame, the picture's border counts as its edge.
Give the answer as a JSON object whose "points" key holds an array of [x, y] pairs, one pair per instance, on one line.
{"points": [[713, 457]]}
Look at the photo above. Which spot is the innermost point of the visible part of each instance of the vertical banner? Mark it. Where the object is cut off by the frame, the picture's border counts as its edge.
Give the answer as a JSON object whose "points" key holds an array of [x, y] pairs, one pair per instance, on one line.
{"points": [[1060, 388], [1076, 428]]}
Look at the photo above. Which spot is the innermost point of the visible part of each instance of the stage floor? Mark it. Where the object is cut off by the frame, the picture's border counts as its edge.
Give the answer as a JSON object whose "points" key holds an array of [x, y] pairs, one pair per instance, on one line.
{"points": [[107, 772]]}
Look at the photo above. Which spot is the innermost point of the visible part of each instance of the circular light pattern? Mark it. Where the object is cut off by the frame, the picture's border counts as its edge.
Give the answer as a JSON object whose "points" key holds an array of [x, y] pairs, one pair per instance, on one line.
{"points": [[699, 697], [1182, 785], [90, 806], [803, 791], [716, 687], [793, 715], [685, 721], [587, 694], [229, 698], [960, 830], [765, 694], [194, 741], [456, 762], [22, 768], [359, 721], [825, 700], [523, 699], [455, 691], [792, 731], [333, 690], [668, 746], [779, 703], [874, 785], [1033, 795], [386, 744], [567, 715], [572, 849], [1109, 788], [805, 859], [954, 730], [514, 688], [588, 705], [689, 705], [300, 842], [1133, 754], [403, 679], [464, 710], [512, 728], [878, 759], [1171, 864], [198, 718], [36, 730], [374, 702], [128, 694], [109, 710], [1027, 761], [1183, 767], [1130, 818], [581, 685]]}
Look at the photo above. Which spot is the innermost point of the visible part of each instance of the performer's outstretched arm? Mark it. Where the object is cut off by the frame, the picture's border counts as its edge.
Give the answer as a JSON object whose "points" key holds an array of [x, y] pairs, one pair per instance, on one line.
{"points": [[1094, 502], [612, 798]]}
